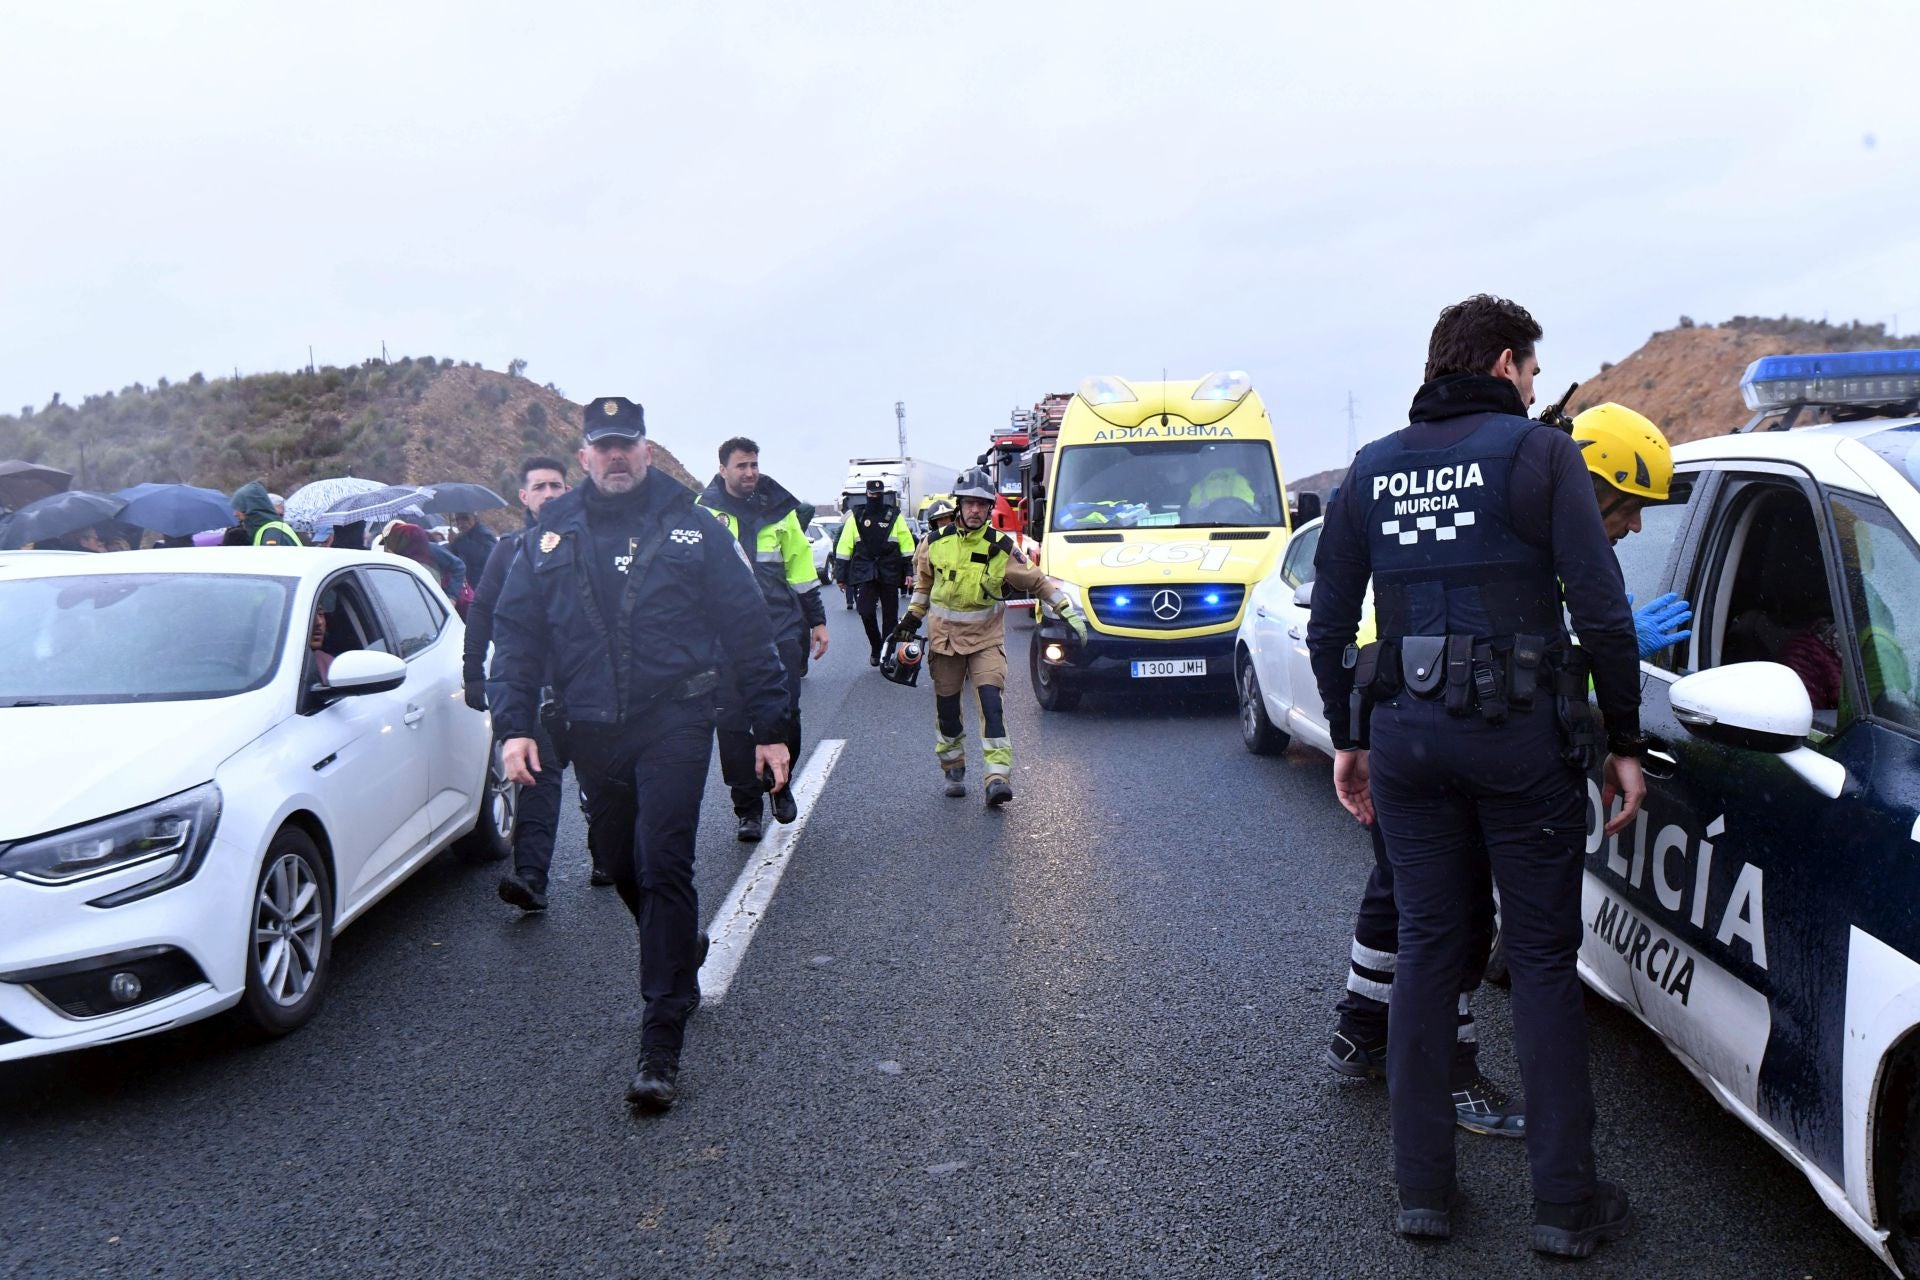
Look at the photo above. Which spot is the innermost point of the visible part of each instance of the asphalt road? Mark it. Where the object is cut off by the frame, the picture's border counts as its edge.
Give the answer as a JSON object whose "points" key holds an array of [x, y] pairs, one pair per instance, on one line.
{"points": [[1080, 1037]]}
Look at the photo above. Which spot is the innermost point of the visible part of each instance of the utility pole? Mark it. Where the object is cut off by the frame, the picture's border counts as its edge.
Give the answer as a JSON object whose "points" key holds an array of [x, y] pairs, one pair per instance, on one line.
{"points": [[1353, 430], [900, 420]]}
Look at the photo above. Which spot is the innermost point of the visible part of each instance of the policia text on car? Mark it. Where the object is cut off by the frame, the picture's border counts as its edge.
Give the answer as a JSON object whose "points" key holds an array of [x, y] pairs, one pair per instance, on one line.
{"points": [[1474, 704], [624, 591]]}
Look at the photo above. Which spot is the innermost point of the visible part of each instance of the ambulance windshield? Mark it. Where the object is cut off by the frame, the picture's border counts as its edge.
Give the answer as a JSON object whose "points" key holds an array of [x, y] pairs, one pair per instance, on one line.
{"points": [[1151, 484]]}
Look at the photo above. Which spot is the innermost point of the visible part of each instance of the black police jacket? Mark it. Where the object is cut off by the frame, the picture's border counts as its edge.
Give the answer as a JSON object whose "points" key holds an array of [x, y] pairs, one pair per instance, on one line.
{"points": [[621, 601]]}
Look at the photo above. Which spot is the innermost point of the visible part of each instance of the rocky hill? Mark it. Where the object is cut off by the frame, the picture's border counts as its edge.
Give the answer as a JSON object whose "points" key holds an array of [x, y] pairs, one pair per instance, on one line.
{"points": [[1687, 379], [414, 419]]}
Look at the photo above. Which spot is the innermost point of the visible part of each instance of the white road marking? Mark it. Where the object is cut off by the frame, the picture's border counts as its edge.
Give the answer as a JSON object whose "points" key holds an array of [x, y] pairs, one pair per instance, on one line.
{"points": [[734, 924]]}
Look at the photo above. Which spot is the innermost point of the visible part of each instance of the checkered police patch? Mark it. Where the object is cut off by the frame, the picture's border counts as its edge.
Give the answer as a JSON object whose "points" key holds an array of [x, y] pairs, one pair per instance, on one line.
{"points": [[685, 535], [1420, 524]]}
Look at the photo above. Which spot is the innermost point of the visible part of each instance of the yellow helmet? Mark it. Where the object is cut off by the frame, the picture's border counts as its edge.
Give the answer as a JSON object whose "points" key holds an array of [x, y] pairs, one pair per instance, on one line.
{"points": [[1625, 449]]}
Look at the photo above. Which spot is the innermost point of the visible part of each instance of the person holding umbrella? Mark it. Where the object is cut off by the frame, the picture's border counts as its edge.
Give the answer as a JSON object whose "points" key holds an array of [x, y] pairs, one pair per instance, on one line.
{"points": [[61, 522]]}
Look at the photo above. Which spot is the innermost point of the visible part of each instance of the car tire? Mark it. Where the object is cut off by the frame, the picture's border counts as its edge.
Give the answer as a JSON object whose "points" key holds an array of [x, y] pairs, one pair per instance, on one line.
{"points": [[289, 936], [492, 836], [1052, 688], [1896, 1157], [1258, 733]]}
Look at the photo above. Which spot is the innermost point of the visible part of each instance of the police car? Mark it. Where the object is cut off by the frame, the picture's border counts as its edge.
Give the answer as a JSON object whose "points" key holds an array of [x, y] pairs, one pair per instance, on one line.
{"points": [[1763, 912]]}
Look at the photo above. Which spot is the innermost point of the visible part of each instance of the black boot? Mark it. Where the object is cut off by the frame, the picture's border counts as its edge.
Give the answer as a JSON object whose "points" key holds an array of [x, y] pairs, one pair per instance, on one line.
{"points": [[1426, 1215], [598, 878], [956, 775], [655, 1084], [524, 890], [873, 660], [1351, 1054], [999, 790], [785, 809], [752, 827], [1576, 1230], [1480, 1106]]}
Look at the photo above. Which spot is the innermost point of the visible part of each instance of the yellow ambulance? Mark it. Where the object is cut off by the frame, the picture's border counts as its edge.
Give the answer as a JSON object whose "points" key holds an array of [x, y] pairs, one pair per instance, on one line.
{"points": [[1165, 504]]}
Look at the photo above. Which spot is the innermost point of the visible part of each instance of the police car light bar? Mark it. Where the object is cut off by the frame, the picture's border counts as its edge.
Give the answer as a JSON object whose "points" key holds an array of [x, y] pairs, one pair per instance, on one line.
{"points": [[1839, 378]]}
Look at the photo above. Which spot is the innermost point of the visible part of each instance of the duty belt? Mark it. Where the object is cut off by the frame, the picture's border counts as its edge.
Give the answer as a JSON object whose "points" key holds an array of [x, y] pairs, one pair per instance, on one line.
{"points": [[1492, 677]]}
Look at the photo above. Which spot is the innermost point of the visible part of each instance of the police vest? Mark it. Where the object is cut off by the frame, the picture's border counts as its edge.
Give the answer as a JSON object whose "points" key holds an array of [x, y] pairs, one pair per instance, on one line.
{"points": [[282, 535], [1446, 559], [969, 573], [873, 533]]}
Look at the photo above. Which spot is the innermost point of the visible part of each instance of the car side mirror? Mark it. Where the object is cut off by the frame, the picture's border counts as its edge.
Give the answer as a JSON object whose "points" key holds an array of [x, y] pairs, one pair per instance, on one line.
{"points": [[1303, 595], [1757, 706], [1306, 506], [360, 671]]}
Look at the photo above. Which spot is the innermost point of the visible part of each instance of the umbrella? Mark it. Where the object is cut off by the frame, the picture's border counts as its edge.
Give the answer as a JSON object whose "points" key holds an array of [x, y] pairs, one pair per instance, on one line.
{"points": [[459, 496], [23, 482], [305, 504], [174, 509], [380, 504], [61, 513]]}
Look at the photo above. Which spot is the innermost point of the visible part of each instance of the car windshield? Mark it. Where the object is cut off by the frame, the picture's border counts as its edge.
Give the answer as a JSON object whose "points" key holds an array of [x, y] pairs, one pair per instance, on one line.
{"points": [[139, 637], [1166, 484]]}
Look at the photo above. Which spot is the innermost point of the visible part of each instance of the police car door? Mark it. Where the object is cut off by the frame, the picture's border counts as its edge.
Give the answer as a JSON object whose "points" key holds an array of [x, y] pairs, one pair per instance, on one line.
{"points": [[1729, 832]]}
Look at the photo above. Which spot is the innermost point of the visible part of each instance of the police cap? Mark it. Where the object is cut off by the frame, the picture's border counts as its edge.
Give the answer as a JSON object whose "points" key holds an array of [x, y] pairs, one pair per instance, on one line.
{"points": [[876, 487], [614, 416]]}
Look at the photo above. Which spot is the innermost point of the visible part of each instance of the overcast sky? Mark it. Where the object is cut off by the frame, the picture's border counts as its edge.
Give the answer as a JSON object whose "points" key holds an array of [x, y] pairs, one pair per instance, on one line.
{"points": [[779, 219]]}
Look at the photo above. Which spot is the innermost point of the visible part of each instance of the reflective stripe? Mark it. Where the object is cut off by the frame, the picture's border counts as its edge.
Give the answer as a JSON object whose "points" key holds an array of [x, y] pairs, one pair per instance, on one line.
{"points": [[998, 753], [919, 601], [801, 588], [775, 556], [965, 615], [1365, 955], [950, 750], [1367, 987]]}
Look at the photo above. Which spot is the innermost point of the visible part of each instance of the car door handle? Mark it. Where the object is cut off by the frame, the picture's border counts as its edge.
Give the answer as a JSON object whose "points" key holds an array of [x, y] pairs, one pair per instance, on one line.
{"points": [[1293, 633], [1658, 763], [414, 715]]}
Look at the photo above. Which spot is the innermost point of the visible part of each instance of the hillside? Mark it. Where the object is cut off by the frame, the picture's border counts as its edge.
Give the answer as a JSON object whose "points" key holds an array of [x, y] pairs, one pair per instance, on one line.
{"points": [[1687, 379], [414, 419]]}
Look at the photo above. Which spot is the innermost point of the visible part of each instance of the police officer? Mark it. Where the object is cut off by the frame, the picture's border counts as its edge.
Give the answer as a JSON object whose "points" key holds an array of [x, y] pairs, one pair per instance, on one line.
{"points": [[625, 590], [1467, 521], [960, 580], [1631, 464], [765, 520], [538, 817], [875, 551]]}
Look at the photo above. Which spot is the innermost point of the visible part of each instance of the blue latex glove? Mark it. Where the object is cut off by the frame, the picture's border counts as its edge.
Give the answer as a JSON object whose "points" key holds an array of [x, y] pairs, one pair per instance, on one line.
{"points": [[1658, 625]]}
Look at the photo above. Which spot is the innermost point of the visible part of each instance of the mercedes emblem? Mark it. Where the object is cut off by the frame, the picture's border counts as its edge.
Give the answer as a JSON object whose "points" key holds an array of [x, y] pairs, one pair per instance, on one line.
{"points": [[1166, 605]]}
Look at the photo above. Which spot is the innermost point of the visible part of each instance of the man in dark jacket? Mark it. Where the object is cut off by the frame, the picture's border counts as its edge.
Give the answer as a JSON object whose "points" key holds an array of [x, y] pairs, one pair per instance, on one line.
{"points": [[765, 519], [625, 590], [539, 816], [473, 542], [258, 520], [876, 562]]}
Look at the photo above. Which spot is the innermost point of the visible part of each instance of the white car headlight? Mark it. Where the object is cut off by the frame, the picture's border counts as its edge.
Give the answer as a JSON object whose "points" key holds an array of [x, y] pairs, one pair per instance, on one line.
{"points": [[180, 826]]}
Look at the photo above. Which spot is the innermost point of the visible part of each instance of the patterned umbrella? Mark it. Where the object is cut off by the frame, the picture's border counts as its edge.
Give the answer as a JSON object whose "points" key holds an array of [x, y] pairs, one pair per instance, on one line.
{"points": [[310, 500], [376, 505]]}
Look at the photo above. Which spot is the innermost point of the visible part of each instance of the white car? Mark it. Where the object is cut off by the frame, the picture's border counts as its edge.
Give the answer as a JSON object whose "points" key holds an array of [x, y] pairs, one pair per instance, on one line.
{"points": [[822, 534], [1759, 914], [191, 811]]}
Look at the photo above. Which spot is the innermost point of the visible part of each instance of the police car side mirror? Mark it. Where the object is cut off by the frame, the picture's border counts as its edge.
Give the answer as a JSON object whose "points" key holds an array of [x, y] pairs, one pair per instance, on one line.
{"points": [[1306, 506], [1757, 706], [1303, 596]]}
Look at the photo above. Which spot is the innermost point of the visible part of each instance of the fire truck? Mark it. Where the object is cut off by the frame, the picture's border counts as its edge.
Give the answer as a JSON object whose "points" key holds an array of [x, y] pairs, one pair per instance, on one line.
{"points": [[1017, 457]]}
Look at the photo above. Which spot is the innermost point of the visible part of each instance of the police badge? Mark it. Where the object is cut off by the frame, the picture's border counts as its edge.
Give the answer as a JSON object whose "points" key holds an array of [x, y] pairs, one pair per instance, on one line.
{"points": [[548, 541]]}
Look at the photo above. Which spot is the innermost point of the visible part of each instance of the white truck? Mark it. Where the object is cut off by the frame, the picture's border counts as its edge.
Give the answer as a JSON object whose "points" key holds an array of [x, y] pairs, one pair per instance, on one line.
{"points": [[910, 480]]}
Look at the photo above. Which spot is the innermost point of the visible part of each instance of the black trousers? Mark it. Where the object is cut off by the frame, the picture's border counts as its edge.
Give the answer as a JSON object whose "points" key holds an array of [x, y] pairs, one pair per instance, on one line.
{"points": [[1442, 785], [736, 742], [882, 596], [539, 816], [1375, 956], [643, 815]]}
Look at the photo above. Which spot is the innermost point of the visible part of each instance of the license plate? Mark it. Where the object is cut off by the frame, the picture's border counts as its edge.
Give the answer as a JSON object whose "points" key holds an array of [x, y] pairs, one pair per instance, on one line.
{"points": [[1170, 667]]}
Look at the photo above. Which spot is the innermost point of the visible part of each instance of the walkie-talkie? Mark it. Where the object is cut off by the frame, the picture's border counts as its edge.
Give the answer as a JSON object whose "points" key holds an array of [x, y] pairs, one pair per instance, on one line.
{"points": [[1555, 414]]}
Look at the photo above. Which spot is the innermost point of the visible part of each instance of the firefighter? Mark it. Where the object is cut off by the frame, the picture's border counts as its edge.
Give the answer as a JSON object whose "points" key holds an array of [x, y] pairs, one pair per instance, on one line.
{"points": [[960, 579]]}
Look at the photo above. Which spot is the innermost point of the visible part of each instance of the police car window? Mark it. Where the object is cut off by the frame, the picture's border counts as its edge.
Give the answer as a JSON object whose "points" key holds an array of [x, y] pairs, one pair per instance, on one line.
{"points": [[1766, 595], [1297, 567], [1881, 568], [414, 624], [436, 604], [1645, 556]]}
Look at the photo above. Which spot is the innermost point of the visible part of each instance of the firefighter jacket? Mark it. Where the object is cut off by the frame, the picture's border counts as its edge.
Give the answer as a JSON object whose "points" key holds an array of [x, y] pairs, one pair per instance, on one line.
{"points": [[960, 582]]}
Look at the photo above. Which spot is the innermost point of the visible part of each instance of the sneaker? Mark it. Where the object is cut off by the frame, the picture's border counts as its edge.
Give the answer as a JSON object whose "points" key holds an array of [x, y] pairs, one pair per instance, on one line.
{"points": [[785, 808], [1576, 1230], [1481, 1106], [655, 1084], [599, 879], [523, 891], [752, 827], [999, 791], [1426, 1215], [1355, 1058], [956, 776]]}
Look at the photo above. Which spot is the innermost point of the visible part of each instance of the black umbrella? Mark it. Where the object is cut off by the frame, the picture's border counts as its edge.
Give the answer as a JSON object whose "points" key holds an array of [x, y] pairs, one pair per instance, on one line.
{"points": [[24, 482], [175, 509], [459, 496], [56, 516]]}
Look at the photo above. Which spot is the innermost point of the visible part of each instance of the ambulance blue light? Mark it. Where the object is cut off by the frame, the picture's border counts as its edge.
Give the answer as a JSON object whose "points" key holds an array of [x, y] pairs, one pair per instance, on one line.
{"points": [[1834, 378], [1212, 597], [1121, 602]]}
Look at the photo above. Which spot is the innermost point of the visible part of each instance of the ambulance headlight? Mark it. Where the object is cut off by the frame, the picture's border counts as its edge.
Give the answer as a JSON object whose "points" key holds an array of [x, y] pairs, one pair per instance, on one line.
{"points": [[1104, 389], [1230, 386]]}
